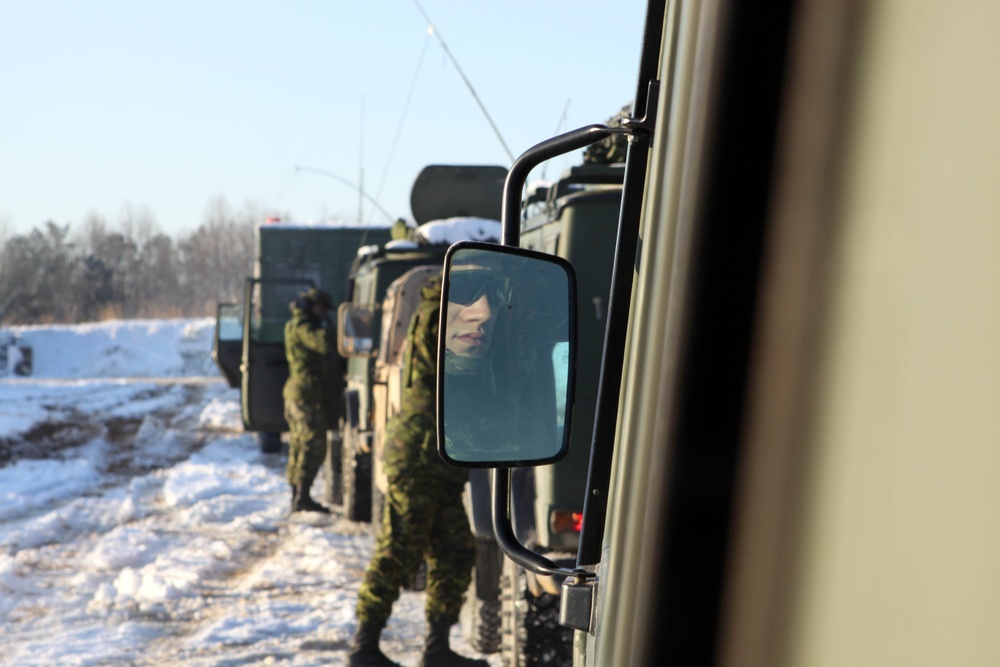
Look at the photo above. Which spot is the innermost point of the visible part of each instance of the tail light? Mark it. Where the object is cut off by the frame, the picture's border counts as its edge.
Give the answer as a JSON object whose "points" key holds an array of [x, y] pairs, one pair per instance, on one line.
{"points": [[561, 521]]}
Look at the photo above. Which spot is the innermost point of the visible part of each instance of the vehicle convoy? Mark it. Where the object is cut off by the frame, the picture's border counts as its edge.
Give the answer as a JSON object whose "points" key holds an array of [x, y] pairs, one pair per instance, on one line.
{"points": [[576, 218], [794, 453], [449, 203], [249, 345], [566, 217]]}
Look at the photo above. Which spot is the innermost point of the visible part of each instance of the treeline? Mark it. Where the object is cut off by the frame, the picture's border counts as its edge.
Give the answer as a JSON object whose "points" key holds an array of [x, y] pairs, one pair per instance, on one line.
{"points": [[58, 274]]}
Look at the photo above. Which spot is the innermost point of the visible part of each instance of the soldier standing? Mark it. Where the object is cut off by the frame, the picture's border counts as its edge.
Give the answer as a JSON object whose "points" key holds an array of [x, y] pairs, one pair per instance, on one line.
{"points": [[424, 516], [307, 394]]}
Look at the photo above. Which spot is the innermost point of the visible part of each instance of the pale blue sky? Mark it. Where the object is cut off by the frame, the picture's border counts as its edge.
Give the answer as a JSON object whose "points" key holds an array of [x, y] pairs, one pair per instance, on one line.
{"points": [[169, 105]]}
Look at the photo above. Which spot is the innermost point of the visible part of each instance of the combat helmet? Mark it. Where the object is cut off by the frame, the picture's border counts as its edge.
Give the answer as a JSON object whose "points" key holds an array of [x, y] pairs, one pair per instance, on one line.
{"points": [[318, 297]]}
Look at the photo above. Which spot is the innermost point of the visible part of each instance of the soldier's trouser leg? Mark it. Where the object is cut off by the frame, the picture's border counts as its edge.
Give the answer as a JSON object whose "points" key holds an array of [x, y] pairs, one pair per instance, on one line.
{"points": [[450, 559], [406, 529], [307, 426]]}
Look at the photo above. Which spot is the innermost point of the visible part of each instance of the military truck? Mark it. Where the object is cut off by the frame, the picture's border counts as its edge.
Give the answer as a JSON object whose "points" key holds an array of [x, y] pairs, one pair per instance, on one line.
{"points": [[575, 217], [795, 436], [249, 337], [566, 217], [448, 202]]}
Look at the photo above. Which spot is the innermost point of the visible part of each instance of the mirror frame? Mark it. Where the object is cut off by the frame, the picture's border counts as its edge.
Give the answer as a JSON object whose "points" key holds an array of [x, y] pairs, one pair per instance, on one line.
{"points": [[344, 311], [510, 251]]}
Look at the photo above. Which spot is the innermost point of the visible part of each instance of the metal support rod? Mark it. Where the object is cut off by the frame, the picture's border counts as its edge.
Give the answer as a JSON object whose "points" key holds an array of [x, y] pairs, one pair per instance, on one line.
{"points": [[507, 540], [644, 112], [510, 235], [510, 212]]}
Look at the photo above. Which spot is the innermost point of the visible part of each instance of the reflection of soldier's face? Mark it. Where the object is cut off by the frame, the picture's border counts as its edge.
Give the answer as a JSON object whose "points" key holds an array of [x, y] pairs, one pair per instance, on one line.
{"points": [[470, 328], [471, 314]]}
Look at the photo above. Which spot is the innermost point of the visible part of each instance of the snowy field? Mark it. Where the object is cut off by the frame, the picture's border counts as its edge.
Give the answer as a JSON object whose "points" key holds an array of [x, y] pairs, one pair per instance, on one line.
{"points": [[139, 525]]}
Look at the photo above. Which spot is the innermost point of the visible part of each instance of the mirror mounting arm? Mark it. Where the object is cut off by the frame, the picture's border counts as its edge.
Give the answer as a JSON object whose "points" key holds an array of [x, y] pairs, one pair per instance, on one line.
{"points": [[510, 235], [507, 540], [644, 125], [510, 212]]}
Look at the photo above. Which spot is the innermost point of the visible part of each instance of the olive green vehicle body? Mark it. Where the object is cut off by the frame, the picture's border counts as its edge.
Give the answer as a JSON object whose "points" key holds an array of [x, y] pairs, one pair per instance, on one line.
{"points": [[803, 465], [577, 219], [288, 259], [372, 392], [445, 200]]}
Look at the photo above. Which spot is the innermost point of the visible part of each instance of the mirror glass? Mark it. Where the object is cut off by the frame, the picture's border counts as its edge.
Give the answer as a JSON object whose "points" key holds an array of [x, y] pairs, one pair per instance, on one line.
{"points": [[506, 356], [355, 334], [229, 322]]}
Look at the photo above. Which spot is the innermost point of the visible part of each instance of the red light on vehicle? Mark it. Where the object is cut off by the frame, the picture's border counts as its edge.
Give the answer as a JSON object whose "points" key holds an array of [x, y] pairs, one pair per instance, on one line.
{"points": [[272, 220], [566, 522]]}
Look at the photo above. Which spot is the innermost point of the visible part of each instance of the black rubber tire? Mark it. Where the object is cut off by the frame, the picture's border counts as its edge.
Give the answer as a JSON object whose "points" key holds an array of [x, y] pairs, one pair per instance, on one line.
{"points": [[356, 476], [333, 487], [480, 615], [378, 507], [270, 442], [530, 631]]}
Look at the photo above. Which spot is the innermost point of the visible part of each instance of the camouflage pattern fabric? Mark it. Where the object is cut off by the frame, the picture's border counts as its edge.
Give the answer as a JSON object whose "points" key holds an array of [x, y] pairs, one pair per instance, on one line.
{"points": [[307, 425], [424, 517], [307, 348], [612, 149], [423, 520], [411, 440], [307, 394], [494, 433]]}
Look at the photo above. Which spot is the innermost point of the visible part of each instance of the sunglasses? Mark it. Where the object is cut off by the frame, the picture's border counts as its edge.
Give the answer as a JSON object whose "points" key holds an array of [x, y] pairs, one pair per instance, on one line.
{"points": [[467, 287]]}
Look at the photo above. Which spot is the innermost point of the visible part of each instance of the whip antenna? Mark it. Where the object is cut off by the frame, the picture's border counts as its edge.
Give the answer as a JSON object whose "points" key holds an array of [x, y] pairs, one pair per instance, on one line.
{"points": [[468, 84], [402, 118]]}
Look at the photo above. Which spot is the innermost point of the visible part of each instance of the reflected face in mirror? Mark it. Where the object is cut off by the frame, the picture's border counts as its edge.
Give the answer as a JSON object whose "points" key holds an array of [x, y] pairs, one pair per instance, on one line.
{"points": [[474, 297], [505, 371]]}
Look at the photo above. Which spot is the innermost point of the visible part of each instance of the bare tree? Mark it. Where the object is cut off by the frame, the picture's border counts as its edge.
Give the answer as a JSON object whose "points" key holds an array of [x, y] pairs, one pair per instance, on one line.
{"points": [[161, 278], [132, 270], [39, 266], [218, 255]]}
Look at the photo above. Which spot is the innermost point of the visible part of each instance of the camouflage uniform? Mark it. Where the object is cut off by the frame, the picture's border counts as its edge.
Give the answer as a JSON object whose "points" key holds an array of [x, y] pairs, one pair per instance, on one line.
{"points": [[611, 149], [424, 515], [307, 393]]}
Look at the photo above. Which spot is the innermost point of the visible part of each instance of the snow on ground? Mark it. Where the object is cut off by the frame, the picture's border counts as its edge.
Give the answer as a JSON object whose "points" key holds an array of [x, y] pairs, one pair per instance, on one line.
{"points": [[140, 525]]}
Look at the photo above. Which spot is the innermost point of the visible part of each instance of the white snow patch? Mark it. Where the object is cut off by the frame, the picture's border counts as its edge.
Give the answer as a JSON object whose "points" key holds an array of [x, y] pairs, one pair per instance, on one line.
{"points": [[169, 543]]}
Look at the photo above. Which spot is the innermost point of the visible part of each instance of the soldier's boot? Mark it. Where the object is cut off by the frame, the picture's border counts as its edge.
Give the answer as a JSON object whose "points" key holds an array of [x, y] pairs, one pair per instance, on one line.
{"points": [[438, 653], [303, 502], [364, 648]]}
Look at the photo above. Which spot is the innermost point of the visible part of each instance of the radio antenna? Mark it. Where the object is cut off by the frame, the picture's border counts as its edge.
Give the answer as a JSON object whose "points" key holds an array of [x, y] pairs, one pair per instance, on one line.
{"points": [[433, 30]]}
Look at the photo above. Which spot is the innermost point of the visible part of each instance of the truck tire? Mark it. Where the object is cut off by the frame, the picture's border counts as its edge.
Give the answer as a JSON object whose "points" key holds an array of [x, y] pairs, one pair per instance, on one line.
{"points": [[531, 634], [378, 507], [480, 615], [333, 489], [356, 476], [270, 442]]}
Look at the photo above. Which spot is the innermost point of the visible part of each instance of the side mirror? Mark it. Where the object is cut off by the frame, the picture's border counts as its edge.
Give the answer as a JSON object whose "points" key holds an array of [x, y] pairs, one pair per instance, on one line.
{"points": [[506, 356], [355, 331]]}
